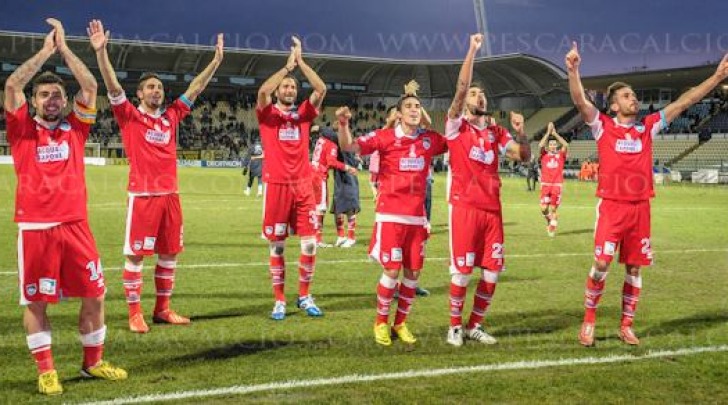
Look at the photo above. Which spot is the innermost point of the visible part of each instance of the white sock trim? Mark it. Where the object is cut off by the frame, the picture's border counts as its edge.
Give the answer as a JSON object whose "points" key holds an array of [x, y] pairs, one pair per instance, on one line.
{"points": [[167, 264], [597, 275], [95, 338], [460, 280], [409, 283], [490, 276], [38, 340], [388, 282], [136, 268], [634, 281]]}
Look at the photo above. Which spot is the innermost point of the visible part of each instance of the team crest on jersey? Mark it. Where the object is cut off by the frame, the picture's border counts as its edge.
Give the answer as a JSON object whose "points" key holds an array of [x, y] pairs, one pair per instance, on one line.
{"points": [[53, 152], [65, 126], [31, 289], [149, 242], [426, 143], [598, 251], [639, 128], [47, 286]]}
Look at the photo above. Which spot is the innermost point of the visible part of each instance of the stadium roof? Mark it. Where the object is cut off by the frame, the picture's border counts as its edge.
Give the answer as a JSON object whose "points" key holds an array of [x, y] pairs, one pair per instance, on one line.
{"points": [[679, 79], [501, 75]]}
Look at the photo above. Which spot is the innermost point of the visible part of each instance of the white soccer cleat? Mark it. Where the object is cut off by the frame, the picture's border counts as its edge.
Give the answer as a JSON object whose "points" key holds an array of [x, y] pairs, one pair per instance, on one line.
{"points": [[455, 336], [479, 335], [348, 243], [246, 192], [339, 241]]}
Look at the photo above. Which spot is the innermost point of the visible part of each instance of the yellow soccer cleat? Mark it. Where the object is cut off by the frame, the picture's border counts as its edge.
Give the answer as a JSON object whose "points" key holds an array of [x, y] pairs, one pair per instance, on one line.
{"points": [[48, 383], [382, 334], [104, 371], [404, 334]]}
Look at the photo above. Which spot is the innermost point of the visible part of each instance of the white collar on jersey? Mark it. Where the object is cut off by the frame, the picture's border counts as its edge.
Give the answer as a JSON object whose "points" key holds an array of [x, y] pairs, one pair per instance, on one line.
{"points": [[156, 114], [630, 125], [47, 125], [399, 132]]}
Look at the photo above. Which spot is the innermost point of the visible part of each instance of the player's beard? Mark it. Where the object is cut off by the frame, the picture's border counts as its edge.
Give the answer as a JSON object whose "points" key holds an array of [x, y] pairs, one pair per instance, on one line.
{"points": [[477, 111]]}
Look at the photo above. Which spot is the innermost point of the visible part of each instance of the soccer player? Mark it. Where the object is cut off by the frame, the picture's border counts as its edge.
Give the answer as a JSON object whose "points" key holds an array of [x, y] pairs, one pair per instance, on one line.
{"points": [[552, 176], [154, 216], [325, 157], [345, 202], [57, 254], [476, 220], [624, 187], [289, 200], [253, 167], [400, 235]]}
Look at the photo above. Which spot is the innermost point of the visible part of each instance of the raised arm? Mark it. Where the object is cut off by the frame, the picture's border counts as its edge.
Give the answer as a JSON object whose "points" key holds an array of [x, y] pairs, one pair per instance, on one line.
{"points": [[318, 85], [99, 40], [697, 93], [545, 137], [265, 93], [87, 81], [465, 77], [203, 79], [586, 108], [346, 141], [14, 85], [562, 141], [520, 149]]}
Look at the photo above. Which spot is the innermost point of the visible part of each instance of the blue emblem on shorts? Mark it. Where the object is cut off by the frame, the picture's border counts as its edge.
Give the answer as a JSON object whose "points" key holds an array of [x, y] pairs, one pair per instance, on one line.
{"points": [[31, 289]]}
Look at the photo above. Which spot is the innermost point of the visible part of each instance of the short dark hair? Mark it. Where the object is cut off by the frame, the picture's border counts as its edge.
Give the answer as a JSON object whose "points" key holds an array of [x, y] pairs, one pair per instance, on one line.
{"points": [[47, 78], [146, 76], [477, 85], [613, 89], [400, 102], [289, 76]]}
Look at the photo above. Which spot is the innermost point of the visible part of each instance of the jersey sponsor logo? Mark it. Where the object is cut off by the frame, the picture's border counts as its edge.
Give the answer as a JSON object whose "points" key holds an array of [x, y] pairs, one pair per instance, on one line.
{"points": [[53, 152], [609, 248], [31, 289], [47, 286], [396, 254], [157, 137], [628, 146], [552, 164], [149, 242], [412, 164], [482, 156], [289, 133]]}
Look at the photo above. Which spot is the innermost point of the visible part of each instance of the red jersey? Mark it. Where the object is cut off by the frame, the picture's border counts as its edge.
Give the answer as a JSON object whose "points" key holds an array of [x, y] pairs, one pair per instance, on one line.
{"points": [[325, 156], [625, 156], [403, 168], [474, 152], [285, 137], [49, 165], [150, 142], [552, 166]]}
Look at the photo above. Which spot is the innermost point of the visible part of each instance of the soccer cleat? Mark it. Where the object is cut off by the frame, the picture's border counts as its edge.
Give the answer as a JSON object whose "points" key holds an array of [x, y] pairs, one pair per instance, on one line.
{"points": [[455, 336], [246, 192], [279, 311], [479, 335], [348, 243], [137, 323], [170, 317], [105, 371], [403, 333], [551, 230], [586, 335], [48, 383], [260, 193], [627, 335], [382, 334], [421, 292], [340, 241], [306, 303]]}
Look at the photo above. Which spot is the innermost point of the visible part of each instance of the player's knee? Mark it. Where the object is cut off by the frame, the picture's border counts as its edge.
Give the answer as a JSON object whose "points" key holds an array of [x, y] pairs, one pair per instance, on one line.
{"points": [[460, 280], [276, 248], [490, 276], [411, 275], [393, 274], [308, 246], [135, 260], [632, 270]]}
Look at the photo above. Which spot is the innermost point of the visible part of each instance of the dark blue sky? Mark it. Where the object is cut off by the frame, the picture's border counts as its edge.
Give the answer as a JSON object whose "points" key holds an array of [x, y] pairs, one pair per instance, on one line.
{"points": [[616, 35]]}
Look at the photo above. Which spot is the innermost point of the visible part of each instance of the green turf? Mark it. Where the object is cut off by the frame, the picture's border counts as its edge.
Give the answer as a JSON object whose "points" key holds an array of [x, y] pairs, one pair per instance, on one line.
{"points": [[536, 312]]}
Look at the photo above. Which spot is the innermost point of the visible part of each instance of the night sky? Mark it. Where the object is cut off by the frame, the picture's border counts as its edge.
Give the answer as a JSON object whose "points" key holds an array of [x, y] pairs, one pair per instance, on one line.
{"points": [[616, 35]]}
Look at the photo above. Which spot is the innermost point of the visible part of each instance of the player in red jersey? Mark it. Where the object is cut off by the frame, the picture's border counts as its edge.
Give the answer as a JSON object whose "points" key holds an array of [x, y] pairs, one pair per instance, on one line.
{"points": [[57, 254], [325, 157], [476, 221], [154, 216], [400, 233], [552, 176], [625, 186], [289, 200]]}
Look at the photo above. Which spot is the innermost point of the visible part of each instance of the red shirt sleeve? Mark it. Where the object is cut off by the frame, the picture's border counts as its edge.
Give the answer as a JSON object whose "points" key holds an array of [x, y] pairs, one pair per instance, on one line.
{"points": [[439, 142], [264, 114], [123, 112], [179, 109], [369, 143], [332, 159], [18, 123], [307, 112]]}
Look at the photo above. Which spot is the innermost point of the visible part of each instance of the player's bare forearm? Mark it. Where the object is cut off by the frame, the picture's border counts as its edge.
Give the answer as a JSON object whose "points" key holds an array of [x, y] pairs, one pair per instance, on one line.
{"points": [[520, 149], [464, 79], [14, 85], [318, 85], [86, 80], [113, 87], [576, 89], [346, 141], [426, 120], [690, 97], [200, 82], [270, 85], [544, 138]]}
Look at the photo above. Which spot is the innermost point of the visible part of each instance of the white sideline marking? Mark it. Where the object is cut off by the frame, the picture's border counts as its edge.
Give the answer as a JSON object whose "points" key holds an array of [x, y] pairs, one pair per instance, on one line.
{"points": [[516, 256], [358, 378]]}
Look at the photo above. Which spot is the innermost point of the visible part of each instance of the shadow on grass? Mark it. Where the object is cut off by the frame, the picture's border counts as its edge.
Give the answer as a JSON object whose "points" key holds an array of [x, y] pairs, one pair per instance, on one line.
{"points": [[687, 325], [536, 322], [245, 348]]}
